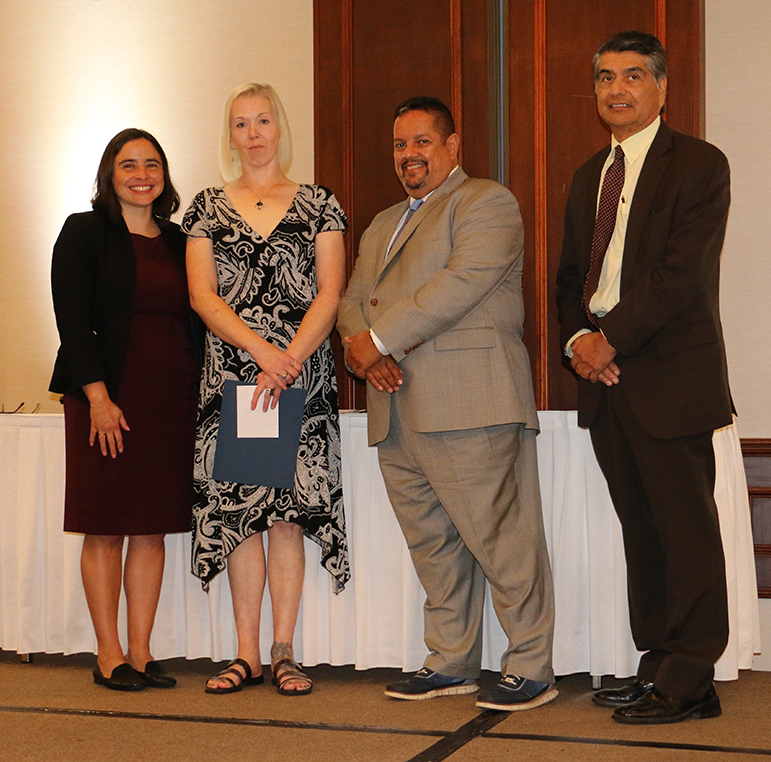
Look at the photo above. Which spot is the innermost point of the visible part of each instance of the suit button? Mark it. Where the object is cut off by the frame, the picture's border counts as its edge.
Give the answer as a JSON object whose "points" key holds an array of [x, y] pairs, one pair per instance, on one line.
{"points": [[373, 302]]}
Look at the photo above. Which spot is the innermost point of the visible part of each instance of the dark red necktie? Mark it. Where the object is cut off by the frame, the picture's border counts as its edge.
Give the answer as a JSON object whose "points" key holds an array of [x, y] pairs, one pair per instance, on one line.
{"points": [[604, 226]]}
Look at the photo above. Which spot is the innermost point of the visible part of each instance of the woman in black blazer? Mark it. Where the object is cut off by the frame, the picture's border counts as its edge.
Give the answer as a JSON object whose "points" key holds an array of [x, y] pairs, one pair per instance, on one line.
{"points": [[129, 380]]}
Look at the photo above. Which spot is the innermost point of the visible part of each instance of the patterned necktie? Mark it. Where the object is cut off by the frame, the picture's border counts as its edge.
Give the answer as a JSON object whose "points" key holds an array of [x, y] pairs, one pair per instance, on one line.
{"points": [[414, 205], [604, 226]]}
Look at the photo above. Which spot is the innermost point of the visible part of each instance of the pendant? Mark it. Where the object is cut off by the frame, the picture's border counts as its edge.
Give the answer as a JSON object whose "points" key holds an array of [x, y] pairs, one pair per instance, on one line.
{"points": [[258, 206]]}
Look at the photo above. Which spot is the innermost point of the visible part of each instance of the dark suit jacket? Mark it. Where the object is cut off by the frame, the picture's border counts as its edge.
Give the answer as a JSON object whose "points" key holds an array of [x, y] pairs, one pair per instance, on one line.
{"points": [[666, 326], [93, 277]]}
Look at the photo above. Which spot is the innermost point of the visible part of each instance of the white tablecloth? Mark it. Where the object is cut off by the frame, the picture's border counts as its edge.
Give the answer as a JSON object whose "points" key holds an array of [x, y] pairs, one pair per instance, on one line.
{"points": [[377, 621]]}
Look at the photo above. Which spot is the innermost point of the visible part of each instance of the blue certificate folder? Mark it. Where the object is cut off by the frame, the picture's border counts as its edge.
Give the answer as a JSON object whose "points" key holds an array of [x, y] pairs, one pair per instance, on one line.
{"points": [[267, 462]]}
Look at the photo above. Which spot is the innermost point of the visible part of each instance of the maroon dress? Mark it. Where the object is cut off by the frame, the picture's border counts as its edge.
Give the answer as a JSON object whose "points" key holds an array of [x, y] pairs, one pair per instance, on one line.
{"points": [[147, 489]]}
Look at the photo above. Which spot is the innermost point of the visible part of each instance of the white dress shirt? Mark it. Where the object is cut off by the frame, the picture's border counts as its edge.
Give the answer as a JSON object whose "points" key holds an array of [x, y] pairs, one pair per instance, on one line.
{"points": [[608, 291]]}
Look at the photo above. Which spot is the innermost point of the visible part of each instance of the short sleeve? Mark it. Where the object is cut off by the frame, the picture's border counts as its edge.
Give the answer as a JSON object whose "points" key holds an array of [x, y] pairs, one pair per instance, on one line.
{"points": [[194, 223], [331, 214]]}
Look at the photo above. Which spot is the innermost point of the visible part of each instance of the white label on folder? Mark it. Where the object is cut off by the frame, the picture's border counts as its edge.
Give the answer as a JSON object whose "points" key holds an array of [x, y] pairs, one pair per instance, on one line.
{"points": [[254, 424]]}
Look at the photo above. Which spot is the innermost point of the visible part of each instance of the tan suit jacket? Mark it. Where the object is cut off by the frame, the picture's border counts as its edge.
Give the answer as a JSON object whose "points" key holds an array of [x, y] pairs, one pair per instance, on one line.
{"points": [[447, 303]]}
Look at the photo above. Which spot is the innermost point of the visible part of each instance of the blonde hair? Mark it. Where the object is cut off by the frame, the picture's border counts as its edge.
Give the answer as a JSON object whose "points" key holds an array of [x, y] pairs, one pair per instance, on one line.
{"points": [[230, 162]]}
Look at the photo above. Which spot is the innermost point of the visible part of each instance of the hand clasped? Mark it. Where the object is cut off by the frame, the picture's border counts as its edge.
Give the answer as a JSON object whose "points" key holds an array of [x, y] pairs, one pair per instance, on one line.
{"points": [[593, 359], [361, 354]]}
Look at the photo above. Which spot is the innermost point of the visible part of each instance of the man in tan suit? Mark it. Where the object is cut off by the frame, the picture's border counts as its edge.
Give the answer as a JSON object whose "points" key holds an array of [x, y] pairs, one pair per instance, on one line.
{"points": [[433, 319]]}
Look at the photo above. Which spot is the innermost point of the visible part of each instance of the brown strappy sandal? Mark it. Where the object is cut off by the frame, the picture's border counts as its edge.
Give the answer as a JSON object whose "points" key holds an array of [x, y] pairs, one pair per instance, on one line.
{"points": [[286, 669], [233, 676]]}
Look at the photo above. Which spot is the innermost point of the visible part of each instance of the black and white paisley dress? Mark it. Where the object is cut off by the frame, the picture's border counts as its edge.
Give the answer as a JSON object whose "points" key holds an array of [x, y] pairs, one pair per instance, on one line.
{"points": [[270, 285]]}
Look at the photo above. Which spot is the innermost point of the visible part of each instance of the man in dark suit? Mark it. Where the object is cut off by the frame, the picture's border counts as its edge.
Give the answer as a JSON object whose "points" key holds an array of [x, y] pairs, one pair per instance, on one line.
{"points": [[638, 308]]}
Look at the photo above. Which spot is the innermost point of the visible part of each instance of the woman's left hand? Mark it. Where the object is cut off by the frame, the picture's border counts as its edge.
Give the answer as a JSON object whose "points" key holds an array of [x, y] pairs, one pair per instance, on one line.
{"points": [[269, 391]]}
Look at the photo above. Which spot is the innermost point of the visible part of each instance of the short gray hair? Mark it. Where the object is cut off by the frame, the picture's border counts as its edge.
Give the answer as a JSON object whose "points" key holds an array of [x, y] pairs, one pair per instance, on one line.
{"points": [[636, 42]]}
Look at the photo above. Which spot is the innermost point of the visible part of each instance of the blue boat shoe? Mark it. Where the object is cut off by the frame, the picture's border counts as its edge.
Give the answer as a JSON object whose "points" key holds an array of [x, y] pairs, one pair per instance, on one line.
{"points": [[513, 694], [427, 684]]}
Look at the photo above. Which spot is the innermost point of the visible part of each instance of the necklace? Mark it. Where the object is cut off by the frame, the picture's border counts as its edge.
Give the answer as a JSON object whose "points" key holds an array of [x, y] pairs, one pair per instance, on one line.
{"points": [[259, 206]]}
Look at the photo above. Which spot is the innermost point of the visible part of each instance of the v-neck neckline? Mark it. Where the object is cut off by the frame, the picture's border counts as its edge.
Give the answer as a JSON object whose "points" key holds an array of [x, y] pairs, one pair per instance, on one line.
{"points": [[276, 226]]}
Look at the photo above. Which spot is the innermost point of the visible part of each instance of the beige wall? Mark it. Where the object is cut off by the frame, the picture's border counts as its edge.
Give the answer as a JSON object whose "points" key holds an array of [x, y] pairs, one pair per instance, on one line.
{"points": [[75, 73], [739, 122]]}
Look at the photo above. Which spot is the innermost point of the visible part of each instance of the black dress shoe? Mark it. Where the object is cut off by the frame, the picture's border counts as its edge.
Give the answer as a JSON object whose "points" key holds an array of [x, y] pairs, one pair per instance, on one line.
{"points": [[123, 678], [627, 694], [654, 708], [155, 676]]}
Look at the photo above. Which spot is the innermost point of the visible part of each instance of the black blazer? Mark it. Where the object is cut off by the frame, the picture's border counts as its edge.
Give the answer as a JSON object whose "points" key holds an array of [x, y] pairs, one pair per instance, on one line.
{"points": [[666, 326], [93, 277]]}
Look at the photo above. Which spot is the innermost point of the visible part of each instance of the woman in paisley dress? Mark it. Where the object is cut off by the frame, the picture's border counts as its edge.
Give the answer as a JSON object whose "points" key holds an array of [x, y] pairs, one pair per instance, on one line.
{"points": [[266, 270]]}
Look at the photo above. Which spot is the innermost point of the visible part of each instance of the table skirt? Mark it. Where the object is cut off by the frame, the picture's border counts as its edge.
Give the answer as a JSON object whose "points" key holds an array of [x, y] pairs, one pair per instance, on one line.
{"points": [[377, 620]]}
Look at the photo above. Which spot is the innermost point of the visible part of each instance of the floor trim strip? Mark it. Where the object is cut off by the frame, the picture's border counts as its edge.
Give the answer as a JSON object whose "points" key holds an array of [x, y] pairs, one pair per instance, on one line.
{"points": [[453, 741], [449, 741], [638, 744]]}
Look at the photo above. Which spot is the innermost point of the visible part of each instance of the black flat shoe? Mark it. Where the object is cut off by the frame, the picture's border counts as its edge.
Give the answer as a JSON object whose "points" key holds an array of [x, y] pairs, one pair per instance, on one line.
{"points": [[654, 708], [123, 678], [627, 694], [155, 676]]}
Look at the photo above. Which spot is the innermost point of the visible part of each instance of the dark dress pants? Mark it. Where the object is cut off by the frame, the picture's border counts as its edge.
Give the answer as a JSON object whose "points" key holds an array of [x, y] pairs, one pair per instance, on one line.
{"points": [[663, 493]]}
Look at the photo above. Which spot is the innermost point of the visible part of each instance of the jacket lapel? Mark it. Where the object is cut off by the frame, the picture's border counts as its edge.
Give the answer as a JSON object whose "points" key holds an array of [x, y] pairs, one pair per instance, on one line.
{"points": [[424, 212], [384, 237], [656, 163]]}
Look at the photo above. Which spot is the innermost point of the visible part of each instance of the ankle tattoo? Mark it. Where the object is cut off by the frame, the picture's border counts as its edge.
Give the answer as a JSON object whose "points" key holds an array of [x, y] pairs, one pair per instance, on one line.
{"points": [[280, 651]]}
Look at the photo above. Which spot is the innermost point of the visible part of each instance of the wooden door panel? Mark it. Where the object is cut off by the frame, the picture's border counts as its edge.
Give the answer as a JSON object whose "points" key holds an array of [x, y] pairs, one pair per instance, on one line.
{"points": [[369, 57]]}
